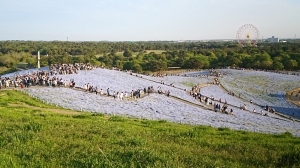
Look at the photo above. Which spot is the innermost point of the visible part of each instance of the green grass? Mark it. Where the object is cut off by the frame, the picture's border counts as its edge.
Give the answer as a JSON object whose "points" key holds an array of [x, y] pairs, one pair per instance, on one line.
{"points": [[34, 134]]}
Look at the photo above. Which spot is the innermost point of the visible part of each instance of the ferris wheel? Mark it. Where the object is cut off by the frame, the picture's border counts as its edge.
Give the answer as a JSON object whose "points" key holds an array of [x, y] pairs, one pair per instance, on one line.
{"points": [[247, 35]]}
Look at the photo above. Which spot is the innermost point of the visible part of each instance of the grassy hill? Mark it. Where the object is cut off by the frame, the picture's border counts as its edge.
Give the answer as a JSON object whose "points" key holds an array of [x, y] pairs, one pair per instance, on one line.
{"points": [[33, 134]]}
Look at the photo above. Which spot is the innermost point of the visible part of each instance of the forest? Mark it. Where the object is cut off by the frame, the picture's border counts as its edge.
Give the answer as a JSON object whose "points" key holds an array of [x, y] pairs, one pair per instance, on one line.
{"points": [[151, 55]]}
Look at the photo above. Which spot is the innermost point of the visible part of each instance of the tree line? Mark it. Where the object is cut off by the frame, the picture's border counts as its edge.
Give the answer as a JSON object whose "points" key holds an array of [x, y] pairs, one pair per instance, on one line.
{"points": [[142, 56]]}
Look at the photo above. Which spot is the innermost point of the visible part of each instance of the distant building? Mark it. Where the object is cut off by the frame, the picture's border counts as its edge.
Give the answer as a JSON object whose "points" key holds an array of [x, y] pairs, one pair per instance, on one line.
{"points": [[273, 40]]}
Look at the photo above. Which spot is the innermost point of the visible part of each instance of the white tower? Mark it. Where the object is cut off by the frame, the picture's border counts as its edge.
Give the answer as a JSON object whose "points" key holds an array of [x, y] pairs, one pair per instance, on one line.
{"points": [[38, 60]]}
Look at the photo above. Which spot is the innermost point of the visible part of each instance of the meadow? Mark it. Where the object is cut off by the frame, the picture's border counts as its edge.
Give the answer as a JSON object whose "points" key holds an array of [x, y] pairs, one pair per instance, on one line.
{"points": [[34, 134]]}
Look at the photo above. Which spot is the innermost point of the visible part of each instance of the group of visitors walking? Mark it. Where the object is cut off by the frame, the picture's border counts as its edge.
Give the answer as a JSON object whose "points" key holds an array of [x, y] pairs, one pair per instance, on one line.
{"points": [[63, 69], [45, 78]]}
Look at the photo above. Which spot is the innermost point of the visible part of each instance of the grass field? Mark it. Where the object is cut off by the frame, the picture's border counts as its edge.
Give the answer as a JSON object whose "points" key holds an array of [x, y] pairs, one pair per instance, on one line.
{"points": [[155, 51], [34, 134]]}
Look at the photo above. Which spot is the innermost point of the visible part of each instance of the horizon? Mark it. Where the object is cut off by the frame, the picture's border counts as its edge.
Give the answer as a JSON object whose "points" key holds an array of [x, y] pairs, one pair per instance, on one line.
{"points": [[153, 20], [201, 40]]}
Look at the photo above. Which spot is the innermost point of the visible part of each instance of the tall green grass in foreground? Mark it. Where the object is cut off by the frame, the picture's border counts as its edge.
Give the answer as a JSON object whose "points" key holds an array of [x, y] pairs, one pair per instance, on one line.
{"points": [[33, 134]]}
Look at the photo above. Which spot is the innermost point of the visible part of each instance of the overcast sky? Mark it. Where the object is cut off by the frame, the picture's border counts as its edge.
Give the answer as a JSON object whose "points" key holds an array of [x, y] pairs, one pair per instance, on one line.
{"points": [[143, 20]]}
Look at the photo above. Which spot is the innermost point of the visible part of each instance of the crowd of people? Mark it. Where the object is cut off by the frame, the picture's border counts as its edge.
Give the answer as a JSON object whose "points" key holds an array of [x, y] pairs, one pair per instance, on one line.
{"points": [[48, 78], [63, 69], [133, 95], [217, 105], [45, 78]]}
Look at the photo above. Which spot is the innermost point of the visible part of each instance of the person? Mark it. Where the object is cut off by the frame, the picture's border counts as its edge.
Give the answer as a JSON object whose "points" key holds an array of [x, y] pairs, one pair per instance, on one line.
{"points": [[85, 87], [216, 107], [121, 96], [254, 111], [132, 94], [199, 96], [107, 92], [114, 94], [96, 90], [231, 112], [168, 93], [70, 84], [73, 84]]}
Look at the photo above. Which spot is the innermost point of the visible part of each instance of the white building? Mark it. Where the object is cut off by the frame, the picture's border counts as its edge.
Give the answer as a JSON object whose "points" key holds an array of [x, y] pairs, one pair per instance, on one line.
{"points": [[273, 40]]}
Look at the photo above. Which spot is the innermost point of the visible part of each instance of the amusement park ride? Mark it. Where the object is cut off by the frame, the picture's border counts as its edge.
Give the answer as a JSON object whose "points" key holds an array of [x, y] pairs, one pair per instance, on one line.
{"points": [[247, 35]]}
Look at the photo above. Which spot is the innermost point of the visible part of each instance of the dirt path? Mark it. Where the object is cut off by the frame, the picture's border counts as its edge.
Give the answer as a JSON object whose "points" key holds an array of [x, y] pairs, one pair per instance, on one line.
{"points": [[293, 96], [54, 110]]}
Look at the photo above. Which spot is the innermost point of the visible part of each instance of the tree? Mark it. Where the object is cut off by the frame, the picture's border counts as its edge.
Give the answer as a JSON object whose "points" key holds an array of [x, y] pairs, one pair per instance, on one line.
{"points": [[194, 63], [290, 64], [266, 64], [278, 66], [155, 65], [119, 64], [107, 60], [127, 53], [7, 61], [32, 61], [80, 59], [137, 68], [66, 59]]}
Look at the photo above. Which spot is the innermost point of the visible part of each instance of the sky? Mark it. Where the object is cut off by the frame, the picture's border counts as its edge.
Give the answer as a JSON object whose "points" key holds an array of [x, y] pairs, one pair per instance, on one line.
{"points": [[145, 20]]}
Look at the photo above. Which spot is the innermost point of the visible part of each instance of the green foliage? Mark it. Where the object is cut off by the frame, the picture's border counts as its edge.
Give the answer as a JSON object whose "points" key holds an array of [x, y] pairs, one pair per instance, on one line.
{"points": [[291, 64], [278, 66], [160, 55], [127, 53]]}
